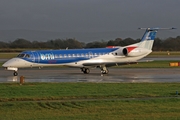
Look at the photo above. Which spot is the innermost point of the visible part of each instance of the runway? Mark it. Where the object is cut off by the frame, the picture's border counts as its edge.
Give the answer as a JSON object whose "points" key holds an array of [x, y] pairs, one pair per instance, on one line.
{"points": [[119, 75]]}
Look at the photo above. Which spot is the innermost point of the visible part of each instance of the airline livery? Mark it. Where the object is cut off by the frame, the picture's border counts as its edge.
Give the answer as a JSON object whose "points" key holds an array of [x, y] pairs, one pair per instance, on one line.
{"points": [[86, 58]]}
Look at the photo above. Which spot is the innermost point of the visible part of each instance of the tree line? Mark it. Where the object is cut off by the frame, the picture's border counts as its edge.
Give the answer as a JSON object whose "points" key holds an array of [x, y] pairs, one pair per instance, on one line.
{"points": [[169, 44]]}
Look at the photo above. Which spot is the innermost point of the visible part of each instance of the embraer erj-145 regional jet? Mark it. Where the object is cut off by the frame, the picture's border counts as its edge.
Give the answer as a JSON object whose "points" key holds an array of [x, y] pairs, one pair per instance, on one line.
{"points": [[86, 58]]}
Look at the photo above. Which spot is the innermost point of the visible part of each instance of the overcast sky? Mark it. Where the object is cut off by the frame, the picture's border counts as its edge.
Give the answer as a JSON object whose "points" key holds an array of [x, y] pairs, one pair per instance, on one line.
{"points": [[89, 15]]}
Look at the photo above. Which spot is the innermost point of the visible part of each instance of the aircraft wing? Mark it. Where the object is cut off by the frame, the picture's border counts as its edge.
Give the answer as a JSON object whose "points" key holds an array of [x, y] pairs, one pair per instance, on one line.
{"points": [[145, 60], [108, 64]]}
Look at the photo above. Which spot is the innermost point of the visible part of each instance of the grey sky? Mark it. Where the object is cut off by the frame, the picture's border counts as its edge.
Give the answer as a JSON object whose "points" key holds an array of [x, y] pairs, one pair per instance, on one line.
{"points": [[90, 15]]}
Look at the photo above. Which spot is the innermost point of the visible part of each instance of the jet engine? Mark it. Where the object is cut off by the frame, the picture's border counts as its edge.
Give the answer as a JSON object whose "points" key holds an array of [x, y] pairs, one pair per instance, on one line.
{"points": [[134, 51]]}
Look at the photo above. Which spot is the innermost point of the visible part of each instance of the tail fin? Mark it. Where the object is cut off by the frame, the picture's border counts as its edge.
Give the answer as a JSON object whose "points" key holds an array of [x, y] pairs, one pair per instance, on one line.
{"points": [[149, 36]]}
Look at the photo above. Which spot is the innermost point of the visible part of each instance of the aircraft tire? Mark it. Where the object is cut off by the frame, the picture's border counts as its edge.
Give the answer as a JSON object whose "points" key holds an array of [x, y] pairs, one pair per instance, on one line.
{"points": [[86, 71], [104, 71], [15, 73]]}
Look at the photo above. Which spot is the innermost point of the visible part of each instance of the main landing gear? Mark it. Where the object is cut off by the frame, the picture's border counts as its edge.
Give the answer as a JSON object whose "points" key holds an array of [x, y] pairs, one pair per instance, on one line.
{"points": [[103, 68], [85, 70], [15, 73]]}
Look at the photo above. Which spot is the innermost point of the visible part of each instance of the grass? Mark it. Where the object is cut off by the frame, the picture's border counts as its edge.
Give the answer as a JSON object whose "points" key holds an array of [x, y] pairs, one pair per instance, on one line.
{"points": [[99, 110], [54, 91], [89, 101], [8, 55], [165, 53]]}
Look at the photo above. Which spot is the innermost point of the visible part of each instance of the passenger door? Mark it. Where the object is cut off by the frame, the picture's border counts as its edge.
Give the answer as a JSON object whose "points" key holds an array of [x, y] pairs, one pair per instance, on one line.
{"points": [[35, 57]]}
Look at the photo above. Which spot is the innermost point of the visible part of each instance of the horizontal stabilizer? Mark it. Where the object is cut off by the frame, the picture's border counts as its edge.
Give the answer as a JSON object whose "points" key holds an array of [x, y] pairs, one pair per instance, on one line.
{"points": [[152, 29]]}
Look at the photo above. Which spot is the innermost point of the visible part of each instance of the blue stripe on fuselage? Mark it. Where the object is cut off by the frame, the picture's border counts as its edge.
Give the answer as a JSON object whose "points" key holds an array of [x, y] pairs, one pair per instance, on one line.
{"points": [[65, 56]]}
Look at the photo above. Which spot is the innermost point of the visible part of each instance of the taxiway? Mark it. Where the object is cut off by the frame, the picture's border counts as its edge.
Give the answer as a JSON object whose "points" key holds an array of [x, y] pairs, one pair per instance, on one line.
{"points": [[128, 75]]}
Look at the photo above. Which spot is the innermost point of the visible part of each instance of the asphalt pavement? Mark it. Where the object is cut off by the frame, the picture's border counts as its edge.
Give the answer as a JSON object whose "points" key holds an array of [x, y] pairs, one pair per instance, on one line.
{"points": [[124, 75]]}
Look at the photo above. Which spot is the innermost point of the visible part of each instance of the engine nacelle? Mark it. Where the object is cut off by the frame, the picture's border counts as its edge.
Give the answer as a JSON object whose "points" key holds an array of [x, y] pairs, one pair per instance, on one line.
{"points": [[134, 51], [119, 52]]}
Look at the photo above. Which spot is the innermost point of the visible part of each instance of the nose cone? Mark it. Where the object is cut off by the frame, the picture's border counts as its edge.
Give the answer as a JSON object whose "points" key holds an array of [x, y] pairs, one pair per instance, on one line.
{"points": [[14, 62]]}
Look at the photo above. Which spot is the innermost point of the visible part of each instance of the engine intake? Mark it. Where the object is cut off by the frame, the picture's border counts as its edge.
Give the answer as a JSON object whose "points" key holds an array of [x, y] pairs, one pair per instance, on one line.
{"points": [[125, 51]]}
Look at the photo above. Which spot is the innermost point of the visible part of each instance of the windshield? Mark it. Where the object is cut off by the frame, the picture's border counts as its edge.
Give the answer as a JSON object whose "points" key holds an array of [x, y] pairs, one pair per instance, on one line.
{"points": [[23, 56]]}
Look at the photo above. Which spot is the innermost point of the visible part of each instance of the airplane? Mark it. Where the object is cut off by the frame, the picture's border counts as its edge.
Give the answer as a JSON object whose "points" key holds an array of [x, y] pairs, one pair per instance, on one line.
{"points": [[86, 58]]}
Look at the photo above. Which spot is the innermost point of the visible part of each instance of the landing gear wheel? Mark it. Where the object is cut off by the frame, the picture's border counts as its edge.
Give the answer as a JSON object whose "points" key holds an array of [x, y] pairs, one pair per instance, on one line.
{"points": [[104, 71], [85, 70], [15, 73]]}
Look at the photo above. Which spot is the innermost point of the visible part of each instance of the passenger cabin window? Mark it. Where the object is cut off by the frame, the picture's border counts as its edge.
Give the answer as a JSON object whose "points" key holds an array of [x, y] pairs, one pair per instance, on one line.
{"points": [[90, 54], [56, 56]]}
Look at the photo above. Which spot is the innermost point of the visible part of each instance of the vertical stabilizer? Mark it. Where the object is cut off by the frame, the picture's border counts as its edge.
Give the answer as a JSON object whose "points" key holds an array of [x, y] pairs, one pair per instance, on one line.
{"points": [[149, 36]]}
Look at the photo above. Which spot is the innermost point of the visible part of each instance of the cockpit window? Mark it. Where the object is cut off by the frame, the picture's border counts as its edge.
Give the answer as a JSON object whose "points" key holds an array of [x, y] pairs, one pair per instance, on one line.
{"points": [[23, 56], [27, 56]]}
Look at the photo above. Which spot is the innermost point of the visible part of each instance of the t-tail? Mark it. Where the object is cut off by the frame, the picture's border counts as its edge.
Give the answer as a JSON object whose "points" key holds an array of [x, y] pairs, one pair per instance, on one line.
{"points": [[149, 36], [144, 47]]}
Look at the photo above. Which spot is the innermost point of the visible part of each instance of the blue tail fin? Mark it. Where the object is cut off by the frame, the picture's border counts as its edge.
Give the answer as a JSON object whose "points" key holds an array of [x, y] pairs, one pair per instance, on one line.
{"points": [[149, 36], [148, 39]]}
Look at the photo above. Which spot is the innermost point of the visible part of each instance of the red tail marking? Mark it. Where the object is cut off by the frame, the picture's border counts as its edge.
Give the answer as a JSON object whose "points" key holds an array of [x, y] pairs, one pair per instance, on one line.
{"points": [[130, 49], [110, 47]]}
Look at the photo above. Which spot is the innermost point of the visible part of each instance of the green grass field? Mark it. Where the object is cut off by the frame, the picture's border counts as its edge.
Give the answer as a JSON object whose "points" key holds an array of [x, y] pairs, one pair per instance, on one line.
{"points": [[8, 55], [165, 53], [89, 101]]}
